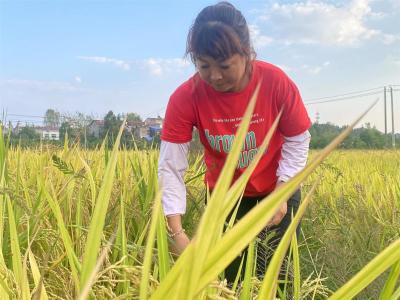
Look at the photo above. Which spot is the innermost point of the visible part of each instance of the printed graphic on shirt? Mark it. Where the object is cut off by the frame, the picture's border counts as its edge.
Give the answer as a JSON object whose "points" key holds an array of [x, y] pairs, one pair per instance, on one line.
{"points": [[223, 143]]}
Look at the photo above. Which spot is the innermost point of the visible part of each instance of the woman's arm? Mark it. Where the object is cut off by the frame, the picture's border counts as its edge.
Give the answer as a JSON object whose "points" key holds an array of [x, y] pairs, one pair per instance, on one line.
{"points": [[171, 169], [294, 156], [172, 165], [293, 160]]}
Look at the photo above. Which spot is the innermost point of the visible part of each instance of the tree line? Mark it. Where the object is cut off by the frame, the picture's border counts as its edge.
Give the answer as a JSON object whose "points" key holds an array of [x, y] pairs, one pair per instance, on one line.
{"points": [[74, 126], [365, 137]]}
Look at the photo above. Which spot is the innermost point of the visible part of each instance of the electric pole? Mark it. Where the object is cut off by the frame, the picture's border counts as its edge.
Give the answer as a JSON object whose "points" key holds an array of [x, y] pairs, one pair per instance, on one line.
{"points": [[391, 104], [317, 118], [385, 110]]}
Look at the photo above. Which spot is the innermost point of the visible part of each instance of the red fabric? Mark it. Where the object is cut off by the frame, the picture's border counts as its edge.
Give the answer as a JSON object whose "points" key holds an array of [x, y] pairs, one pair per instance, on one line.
{"points": [[217, 116]]}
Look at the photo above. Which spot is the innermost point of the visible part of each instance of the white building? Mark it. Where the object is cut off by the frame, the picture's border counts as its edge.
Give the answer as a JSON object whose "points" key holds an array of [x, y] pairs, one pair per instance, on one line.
{"points": [[48, 133]]}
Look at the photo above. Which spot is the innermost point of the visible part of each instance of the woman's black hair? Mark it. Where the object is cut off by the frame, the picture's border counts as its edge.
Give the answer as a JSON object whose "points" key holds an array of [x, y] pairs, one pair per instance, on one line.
{"points": [[219, 31]]}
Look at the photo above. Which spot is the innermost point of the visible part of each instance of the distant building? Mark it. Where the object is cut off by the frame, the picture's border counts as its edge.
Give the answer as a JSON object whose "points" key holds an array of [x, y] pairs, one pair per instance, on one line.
{"points": [[48, 133], [153, 122], [147, 129], [16, 129], [154, 131], [132, 125], [95, 128], [141, 132]]}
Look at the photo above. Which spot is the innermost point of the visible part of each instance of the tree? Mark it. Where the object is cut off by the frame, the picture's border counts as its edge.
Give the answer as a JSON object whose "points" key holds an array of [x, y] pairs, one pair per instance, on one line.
{"points": [[77, 127], [65, 128], [28, 133], [372, 137], [52, 118], [133, 117], [77, 120], [112, 123]]}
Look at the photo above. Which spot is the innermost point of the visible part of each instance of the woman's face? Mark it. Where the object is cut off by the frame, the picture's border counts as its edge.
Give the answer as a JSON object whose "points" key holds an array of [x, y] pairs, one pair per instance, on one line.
{"points": [[223, 75]]}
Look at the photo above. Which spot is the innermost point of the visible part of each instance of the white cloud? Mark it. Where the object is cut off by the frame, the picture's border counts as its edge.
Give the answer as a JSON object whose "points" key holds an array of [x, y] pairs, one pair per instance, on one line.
{"points": [[107, 60], [312, 70], [319, 22], [392, 60], [78, 79], [285, 68], [395, 3], [259, 40], [155, 66], [47, 86], [315, 70], [389, 39], [161, 66]]}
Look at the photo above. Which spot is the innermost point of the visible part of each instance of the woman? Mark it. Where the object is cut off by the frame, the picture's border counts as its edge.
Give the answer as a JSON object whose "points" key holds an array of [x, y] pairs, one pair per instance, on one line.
{"points": [[213, 100]]}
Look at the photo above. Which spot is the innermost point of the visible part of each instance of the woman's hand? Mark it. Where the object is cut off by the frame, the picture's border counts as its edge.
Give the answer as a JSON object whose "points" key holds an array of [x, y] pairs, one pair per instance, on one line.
{"points": [[179, 238], [180, 242], [277, 218]]}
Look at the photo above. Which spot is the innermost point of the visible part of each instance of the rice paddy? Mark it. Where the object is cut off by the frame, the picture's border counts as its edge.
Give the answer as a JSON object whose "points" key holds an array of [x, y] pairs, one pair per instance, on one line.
{"points": [[78, 224]]}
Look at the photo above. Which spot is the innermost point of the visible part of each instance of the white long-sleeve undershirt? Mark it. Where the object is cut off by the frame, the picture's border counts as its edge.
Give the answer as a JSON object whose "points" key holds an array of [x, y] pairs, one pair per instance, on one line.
{"points": [[173, 164]]}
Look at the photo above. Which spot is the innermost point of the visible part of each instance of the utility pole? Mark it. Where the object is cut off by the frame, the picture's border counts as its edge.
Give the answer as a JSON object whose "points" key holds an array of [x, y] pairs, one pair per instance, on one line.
{"points": [[391, 104], [85, 135], [385, 110], [317, 118]]}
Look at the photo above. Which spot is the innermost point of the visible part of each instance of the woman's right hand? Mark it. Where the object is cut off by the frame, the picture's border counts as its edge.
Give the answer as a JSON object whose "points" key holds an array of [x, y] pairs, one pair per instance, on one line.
{"points": [[180, 242]]}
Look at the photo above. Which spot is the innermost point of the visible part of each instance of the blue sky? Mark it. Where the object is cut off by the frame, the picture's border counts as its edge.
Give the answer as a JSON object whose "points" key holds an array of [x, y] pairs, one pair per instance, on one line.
{"points": [[127, 56]]}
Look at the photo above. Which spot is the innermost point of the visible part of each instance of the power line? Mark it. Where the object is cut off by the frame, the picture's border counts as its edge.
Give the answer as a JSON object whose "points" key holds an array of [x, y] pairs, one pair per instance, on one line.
{"points": [[342, 99], [349, 93], [25, 116], [339, 97], [24, 121]]}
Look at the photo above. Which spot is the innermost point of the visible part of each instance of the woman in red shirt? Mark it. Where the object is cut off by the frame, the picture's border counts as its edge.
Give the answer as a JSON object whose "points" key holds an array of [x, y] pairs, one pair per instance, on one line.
{"points": [[213, 100]]}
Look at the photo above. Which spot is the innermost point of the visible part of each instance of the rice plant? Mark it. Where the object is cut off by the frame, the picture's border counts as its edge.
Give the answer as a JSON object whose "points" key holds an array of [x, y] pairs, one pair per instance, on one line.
{"points": [[79, 224]]}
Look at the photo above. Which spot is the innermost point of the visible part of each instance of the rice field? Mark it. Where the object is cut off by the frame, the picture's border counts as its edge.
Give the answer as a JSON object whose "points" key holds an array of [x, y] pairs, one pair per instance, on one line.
{"points": [[78, 224]]}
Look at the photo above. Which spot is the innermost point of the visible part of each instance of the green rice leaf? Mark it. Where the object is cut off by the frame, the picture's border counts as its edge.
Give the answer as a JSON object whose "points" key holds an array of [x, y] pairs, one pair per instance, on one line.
{"points": [[66, 238], [98, 218], [146, 270], [40, 290], [162, 247], [18, 268], [210, 224], [246, 290], [372, 270], [235, 240], [296, 269], [390, 284]]}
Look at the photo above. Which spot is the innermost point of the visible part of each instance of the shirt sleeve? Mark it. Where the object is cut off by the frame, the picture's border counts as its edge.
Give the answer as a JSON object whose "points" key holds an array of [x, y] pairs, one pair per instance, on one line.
{"points": [[171, 169], [179, 116], [294, 155], [294, 119]]}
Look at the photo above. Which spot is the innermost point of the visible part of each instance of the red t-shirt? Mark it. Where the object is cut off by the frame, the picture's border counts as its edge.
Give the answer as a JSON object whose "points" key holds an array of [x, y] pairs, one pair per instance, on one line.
{"points": [[217, 116]]}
